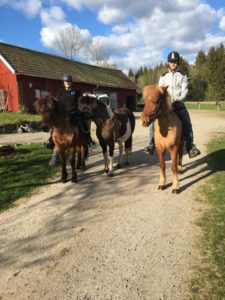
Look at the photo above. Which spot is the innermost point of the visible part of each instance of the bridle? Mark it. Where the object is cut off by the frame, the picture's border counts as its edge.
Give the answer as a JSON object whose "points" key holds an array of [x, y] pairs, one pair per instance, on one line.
{"points": [[154, 114]]}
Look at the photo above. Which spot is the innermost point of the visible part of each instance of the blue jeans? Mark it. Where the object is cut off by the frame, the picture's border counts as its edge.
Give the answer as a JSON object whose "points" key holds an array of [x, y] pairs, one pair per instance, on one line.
{"points": [[184, 116], [151, 133]]}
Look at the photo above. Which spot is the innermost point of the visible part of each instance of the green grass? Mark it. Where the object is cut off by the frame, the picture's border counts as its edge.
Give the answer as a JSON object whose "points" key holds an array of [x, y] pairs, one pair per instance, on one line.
{"points": [[16, 117], [210, 283], [205, 105], [22, 171]]}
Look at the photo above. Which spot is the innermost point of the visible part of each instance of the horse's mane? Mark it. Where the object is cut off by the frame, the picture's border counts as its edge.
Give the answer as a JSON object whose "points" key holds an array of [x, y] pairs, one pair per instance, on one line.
{"points": [[167, 98], [49, 103]]}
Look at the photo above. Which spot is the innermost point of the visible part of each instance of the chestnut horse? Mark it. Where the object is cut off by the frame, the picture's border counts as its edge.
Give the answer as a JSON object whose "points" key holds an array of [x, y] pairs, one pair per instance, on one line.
{"points": [[167, 130], [66, 136], [111, 126]]}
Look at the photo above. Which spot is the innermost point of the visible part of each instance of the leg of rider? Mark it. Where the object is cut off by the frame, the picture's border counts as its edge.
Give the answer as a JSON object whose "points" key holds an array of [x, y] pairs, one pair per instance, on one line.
{"points": [[150, 148], [187, 131]]}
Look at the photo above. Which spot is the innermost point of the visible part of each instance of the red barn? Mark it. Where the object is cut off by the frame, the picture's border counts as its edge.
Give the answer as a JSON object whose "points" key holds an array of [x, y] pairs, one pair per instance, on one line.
{"points": [[26, 74]]}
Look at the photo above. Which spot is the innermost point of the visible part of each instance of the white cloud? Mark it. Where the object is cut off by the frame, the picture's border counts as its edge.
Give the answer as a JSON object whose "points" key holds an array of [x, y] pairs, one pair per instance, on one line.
{"points": [[110, 15], [30, 8], [222, 23], [141, 31], [53, 16], [153, 26]]}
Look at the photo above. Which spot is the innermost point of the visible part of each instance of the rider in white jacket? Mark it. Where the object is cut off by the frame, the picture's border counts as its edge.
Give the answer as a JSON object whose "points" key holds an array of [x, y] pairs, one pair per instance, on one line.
{"points": [[177, 88]]}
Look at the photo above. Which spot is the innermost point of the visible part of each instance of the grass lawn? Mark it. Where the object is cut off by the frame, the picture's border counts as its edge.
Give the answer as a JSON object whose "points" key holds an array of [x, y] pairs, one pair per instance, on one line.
{"points": [[22, 171], [205, 105], [210, 283], [17, 117]]}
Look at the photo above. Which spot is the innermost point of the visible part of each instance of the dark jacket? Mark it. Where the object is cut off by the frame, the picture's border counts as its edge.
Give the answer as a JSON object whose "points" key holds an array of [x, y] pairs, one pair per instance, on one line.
{"points": [[69, 98]]}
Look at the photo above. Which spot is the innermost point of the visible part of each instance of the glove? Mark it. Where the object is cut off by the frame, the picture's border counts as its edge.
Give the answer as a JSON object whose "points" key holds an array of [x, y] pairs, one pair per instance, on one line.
{"points": [[177, 104]]}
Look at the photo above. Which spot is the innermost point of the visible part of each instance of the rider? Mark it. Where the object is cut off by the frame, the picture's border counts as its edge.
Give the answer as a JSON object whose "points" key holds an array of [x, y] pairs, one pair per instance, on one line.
{"points": [[68, 96], [177, 88]]}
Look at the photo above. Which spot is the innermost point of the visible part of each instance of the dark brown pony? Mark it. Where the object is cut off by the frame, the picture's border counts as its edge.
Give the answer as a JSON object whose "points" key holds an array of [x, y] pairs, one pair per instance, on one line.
{"points": [[167, 130], [67, 137], [111, 126]]}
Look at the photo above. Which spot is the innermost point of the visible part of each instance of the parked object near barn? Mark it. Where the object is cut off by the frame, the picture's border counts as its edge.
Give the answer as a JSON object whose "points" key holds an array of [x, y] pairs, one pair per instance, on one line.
{"points": [[24, 128], [111, 126], [167, 130], [66, 137]]}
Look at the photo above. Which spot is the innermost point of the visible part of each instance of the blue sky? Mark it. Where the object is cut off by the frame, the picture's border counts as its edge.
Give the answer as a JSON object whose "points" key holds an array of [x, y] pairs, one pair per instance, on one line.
{"points": [[132, 33]]}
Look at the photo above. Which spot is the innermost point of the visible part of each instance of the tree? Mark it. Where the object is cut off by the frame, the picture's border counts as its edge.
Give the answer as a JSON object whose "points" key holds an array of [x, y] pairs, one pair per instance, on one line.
{"points": [[198, 79], [216, 73], [97, 54], [69, 42]]}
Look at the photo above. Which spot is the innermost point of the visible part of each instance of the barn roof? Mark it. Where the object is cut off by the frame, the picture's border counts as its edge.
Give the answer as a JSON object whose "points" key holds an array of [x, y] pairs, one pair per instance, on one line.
{"points": [[39, 64]]}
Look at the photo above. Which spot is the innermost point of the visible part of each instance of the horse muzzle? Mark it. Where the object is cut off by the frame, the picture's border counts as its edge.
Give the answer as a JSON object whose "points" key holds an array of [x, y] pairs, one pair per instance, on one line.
{"points": [[145, 121]]}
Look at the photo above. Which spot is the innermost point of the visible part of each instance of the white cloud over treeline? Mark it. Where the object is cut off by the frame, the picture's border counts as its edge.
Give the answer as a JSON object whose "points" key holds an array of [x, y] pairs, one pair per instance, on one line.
{"points": [[141, 31]]}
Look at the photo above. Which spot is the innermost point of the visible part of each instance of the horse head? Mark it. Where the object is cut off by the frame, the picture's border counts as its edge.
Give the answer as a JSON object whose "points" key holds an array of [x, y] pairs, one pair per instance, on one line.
{"points": [[46, 107], [155, 103], [86, 103]]}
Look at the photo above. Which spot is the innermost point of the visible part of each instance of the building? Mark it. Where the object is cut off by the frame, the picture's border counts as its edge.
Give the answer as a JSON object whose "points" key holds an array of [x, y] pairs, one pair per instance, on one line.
{"points": [[26, 75]]}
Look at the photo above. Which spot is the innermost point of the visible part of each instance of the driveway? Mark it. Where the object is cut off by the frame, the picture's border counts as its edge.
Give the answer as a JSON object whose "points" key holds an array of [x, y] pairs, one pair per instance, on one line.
{"points": [[108, 238]]}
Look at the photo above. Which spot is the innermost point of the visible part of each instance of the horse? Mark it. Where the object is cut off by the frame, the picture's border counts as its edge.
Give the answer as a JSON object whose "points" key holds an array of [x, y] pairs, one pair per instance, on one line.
{"points": [[111, 126], [67, 136], [167, 130]]}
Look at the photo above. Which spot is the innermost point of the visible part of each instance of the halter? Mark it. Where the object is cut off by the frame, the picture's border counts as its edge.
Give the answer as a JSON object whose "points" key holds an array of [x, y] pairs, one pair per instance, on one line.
{"points": [[154, 115]]}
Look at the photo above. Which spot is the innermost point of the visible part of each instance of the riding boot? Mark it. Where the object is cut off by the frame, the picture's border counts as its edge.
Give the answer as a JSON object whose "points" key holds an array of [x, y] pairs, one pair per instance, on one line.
{"points": [[150, 149], [50, 144]]}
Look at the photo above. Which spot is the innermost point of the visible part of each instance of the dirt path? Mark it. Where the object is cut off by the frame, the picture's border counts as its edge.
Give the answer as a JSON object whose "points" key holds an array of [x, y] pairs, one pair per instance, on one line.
{"points": [[102, 238]]}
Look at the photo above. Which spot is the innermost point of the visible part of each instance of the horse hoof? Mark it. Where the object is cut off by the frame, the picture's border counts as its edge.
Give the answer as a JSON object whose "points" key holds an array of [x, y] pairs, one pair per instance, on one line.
{"points": [[161, 187], [175, 191], [106, 171], [64, 180], [74, 180], [118, 166]]}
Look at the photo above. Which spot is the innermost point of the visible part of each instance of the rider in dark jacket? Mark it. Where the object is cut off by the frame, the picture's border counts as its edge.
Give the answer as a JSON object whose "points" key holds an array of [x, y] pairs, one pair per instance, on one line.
{"points": [[68, 96]]}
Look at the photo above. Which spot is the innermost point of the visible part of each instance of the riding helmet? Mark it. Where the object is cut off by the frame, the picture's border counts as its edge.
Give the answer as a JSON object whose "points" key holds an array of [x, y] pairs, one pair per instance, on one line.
{"points": [[173, 57], [67, 78]]}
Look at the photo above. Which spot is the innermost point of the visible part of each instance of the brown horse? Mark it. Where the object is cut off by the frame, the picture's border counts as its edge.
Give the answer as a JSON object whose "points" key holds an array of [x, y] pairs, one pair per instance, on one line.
{"points": [[111, 126], [66, 136], [167, 130]]}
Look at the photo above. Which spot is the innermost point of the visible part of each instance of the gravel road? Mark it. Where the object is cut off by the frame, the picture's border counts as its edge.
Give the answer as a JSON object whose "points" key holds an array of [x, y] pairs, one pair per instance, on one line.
{"points": [[108, 238]]}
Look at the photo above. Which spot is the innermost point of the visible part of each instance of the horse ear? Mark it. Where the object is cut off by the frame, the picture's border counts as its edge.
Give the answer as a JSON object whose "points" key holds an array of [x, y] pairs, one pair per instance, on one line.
{"points": [[164, 88]]}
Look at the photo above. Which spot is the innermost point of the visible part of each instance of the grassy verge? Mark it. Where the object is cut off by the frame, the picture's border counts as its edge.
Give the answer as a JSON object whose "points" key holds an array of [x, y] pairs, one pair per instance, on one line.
{"points": [[16, 117], [205, 105], [23, 170], [210, 283]]}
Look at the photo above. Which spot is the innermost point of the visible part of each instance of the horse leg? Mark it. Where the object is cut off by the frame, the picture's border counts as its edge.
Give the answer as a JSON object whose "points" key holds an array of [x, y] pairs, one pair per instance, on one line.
{"points": [[174, 157], [72, 163], [105, 155], [119, 164], [63, 165], [180, 157], [52, 161], [78, 163], [162, 179], [128, 146], [111, 153]]}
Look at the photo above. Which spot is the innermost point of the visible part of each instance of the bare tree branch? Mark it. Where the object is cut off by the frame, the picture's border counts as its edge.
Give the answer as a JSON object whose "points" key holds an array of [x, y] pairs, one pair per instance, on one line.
{"points": [[69, 42]]}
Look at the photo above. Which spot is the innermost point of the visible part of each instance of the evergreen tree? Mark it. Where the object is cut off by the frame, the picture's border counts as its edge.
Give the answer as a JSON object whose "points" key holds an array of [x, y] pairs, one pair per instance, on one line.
{"points": [[216, 73]]}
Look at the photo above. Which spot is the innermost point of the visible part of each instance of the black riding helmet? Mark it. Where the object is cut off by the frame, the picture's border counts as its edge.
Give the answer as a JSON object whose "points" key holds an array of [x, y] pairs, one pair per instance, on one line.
{"points": [[173, 57], [67, 78]]}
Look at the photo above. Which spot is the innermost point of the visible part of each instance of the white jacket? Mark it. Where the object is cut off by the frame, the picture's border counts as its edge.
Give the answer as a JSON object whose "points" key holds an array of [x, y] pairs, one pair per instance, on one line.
{"points": [[178, 84]]}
